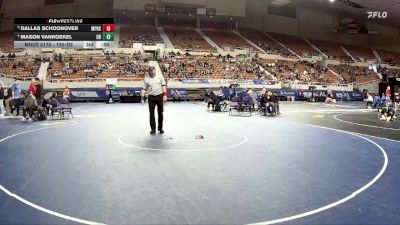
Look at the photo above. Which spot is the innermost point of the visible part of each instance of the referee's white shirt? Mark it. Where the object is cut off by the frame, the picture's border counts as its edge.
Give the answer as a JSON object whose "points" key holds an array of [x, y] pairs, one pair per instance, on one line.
{"points": [[154, 85]]}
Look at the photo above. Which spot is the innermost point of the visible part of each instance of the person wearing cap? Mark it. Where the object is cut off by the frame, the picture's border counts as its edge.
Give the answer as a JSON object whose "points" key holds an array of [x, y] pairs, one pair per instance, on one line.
{"points": [[156, 88], [2, 97]]}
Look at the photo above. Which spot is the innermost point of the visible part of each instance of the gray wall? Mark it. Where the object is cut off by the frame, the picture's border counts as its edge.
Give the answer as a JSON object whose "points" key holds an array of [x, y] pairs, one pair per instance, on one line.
{"points": [[313, 24], [36, 8]]}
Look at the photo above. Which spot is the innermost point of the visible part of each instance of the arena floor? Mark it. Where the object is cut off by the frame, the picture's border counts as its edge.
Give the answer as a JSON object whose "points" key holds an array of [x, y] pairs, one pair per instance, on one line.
{"points": [[313, 164]]}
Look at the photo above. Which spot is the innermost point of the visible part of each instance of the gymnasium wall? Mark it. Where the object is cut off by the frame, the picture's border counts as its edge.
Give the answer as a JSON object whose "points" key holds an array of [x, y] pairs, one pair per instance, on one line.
{"points": [[352, 39], [254, 15], [314, 25], [129, 5], [384, 42], [228, 8], [388, 38], [191, 2], [36, 8], [223, 7]]}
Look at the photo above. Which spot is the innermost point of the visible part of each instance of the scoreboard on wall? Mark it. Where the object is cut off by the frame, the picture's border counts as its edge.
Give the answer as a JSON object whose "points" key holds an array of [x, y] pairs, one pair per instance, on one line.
{"points": [[89, 33]]}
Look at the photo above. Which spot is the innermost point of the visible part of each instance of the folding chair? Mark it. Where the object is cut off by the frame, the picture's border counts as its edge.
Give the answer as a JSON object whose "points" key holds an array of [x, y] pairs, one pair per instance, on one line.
{"points": [[260, 108], [55, 108], [396, 112], [224, 105], [235, 105], [66, 108], [247, 105]]}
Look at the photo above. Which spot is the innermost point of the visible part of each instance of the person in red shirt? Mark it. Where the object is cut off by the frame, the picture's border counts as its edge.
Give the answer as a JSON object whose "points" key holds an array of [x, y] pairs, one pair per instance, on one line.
{"points": [[32, 87], [388, 93]]}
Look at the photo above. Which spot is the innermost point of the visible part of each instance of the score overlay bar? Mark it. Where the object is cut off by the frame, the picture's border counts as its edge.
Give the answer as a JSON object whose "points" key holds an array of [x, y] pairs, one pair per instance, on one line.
{"points": [[64, 44], [64, 33]]}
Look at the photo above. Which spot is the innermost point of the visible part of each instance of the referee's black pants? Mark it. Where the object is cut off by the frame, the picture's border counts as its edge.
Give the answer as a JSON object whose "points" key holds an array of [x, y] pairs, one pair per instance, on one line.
{"points": [[153, 102]]}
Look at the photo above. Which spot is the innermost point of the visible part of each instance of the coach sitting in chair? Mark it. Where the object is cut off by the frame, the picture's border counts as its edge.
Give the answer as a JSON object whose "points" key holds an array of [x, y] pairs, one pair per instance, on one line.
{"points": [[268, 103], [30, 106], [213, 101]]}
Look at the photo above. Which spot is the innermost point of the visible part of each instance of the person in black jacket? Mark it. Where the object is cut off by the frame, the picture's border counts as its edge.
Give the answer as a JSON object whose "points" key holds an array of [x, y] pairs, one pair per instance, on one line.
{"points": [[2, 108], [276, 102], [39, 89], [212, 101], [8, 100]]}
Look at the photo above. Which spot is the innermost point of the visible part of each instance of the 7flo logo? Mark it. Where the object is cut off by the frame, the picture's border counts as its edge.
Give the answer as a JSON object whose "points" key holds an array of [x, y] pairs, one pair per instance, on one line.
{"points": [[377, 15]]}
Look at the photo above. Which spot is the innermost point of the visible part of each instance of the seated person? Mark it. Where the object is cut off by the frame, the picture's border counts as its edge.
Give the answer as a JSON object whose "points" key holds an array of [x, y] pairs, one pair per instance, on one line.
{"points": [[377, 100], [177, 96], [330, 100], [369, 101], [272, 102], [213, 100], [242, 94], [268, 102], [30, 106], [397, 101], [253, 96], [387, 113], [383, 100]]}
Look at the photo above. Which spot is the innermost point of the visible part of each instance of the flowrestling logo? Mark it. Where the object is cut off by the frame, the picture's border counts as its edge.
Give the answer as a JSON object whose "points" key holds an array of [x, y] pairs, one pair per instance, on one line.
{"points": [[377, 14]]}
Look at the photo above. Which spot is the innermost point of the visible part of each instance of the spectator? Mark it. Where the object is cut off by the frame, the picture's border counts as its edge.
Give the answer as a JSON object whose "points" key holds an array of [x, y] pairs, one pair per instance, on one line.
{"points": [[16, 95], [276, 102], [388, 93], [2, 108], [30, 106], [8, 100], [66, 93], [369, 101], [32, 87], [39, 88], [177, 96]]}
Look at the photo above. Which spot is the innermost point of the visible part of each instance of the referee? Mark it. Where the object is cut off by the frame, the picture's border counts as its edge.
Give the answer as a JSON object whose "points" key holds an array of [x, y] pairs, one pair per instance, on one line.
{"points": [[156, 88]]}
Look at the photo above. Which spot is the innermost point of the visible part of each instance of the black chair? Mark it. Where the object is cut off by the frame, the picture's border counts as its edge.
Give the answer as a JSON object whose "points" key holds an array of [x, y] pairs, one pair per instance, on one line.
{"points": [[246, 106], [260, 107], [56, 108], [235, 105], [66, 108]]}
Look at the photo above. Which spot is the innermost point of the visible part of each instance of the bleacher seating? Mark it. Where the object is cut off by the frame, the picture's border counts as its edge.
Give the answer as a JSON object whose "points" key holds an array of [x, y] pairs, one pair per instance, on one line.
{"points": [[7, 42], [187, 38], [23, 69], [266, 43], [360, 53], [389, 73], [98, 67], [210, 67], [332, 50], [226, 38], [391, 58], [296, 44], [299, 71], [356, 74], [146, 34]]}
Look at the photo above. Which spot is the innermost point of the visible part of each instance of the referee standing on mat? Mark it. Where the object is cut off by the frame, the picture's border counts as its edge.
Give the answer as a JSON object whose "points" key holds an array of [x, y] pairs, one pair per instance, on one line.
{"points": [[156, 89]]}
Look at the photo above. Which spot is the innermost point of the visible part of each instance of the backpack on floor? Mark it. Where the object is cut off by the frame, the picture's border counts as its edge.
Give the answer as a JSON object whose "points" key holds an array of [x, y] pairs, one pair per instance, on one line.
{"points": [[217, 108], [41, 114]]}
